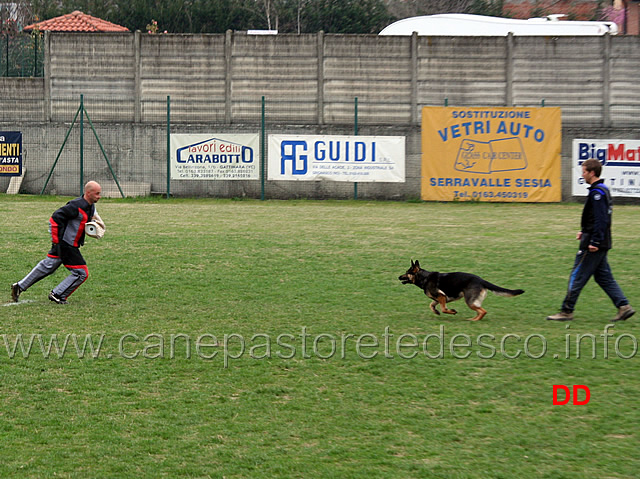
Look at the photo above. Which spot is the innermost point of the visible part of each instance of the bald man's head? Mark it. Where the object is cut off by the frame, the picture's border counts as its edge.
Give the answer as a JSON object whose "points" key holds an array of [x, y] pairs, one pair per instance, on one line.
{"points": [[92, 192]]}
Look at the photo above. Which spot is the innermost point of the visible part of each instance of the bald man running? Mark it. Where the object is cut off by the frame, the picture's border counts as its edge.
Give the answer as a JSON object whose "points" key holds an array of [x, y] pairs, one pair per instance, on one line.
{"points": [[66, 226]]}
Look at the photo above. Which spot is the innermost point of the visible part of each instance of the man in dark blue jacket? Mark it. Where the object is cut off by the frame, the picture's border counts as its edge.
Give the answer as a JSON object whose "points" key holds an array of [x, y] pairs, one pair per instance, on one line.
{"points": [[67, 228], [595, 243]]}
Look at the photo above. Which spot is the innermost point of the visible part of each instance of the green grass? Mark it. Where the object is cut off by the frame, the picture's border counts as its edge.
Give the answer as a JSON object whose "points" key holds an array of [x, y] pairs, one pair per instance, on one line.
{"points": [[310, 289]]}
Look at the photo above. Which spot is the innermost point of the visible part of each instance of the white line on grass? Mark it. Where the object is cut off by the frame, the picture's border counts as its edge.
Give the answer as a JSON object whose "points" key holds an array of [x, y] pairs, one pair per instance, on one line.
{"points": [[23, 301]]}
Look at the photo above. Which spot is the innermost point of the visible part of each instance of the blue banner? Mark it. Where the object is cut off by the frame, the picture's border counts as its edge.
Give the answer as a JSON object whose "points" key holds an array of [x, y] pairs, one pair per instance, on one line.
{"points": [[10, 153]]}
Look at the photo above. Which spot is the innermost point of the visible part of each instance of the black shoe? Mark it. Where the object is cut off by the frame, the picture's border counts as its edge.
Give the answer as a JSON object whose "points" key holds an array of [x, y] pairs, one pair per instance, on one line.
{"points": [[57, 299], [15, 292]]}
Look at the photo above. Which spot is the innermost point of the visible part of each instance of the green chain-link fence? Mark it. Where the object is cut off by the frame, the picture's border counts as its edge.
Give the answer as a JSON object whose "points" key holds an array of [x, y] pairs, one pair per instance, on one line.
{"points": [[21, 55]]}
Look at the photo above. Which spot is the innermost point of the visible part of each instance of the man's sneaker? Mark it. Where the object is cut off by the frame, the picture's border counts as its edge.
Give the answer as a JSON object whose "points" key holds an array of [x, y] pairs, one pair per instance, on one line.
{"points": [[561, 316], [624, 313], [15, 292], [57, 299]]}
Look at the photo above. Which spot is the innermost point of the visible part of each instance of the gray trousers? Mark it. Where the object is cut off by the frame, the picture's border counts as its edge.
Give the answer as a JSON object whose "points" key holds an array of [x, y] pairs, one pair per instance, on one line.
{"points": [[49, 265]]}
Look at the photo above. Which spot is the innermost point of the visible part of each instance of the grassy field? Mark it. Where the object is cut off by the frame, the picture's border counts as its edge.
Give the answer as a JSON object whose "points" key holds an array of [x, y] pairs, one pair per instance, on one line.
{"points": [[219, 338]]}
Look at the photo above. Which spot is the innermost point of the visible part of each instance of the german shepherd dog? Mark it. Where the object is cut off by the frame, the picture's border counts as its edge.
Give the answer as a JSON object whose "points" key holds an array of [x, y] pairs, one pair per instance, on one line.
{"points": [[445, 287]]}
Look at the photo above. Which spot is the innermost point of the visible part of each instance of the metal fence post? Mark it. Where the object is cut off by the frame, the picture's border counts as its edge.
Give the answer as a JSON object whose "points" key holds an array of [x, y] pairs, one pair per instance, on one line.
{"points": [[104, 153], [81, 144], [61, 148], [262, 152], [355, 132], [606, 81], [168, 146], [35, 54]]}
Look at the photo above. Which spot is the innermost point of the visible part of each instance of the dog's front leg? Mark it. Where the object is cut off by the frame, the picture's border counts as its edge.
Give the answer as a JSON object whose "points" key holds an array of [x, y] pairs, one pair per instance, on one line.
{"points": [[433, 305]]}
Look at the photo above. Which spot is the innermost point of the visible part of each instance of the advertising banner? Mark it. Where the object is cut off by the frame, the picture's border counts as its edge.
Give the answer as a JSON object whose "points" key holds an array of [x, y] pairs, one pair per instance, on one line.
{"points": [[215, 157], [10, 153], [491, 154], [621, 165], [337, 158]]}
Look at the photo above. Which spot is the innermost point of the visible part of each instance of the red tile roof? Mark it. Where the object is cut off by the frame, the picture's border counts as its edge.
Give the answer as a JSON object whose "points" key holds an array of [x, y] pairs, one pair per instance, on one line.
{"points": [[76, 22]]}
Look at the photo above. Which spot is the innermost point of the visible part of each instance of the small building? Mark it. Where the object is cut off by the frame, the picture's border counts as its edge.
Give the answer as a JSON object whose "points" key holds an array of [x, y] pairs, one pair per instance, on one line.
{"points": [[76, 22]]}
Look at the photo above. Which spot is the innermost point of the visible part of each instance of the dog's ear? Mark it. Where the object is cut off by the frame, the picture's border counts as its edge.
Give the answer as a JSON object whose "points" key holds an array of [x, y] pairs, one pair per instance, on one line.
{"points": [[412, 264], [417, 264]]}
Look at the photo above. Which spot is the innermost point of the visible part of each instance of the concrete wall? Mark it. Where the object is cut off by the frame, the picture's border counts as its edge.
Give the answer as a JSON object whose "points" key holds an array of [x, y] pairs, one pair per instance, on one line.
{"points": [[313, 79], [216, 83], [22, 99]]}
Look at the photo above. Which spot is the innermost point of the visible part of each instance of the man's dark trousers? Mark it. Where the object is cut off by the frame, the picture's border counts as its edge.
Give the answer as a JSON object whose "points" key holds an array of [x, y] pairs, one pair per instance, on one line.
{"points": [[594, 264]]}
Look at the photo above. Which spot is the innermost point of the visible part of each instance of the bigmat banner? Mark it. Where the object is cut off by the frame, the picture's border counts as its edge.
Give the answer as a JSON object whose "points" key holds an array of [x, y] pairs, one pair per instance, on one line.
{"points": [[215, 157], [491, 154], [621, 165], [337, 158], [10, 153]]}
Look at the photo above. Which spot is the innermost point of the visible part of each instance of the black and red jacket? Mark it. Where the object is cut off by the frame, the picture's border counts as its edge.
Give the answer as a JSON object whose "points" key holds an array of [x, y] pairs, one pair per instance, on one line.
{"points": [[67, 223]]}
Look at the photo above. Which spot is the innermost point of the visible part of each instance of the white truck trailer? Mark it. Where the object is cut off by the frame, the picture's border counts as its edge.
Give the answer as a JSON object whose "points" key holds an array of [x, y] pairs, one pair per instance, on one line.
{"points": [[460, 24]]}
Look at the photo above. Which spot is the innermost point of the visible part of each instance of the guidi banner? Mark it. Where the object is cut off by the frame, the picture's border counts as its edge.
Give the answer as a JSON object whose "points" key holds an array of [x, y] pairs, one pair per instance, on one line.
{"points": [[215, 157], [621, 165], [491, 154], [336, 158]]}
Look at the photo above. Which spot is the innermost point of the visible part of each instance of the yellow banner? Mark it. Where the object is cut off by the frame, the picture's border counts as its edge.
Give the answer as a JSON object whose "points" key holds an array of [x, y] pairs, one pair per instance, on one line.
{"points": [[491, 154]]}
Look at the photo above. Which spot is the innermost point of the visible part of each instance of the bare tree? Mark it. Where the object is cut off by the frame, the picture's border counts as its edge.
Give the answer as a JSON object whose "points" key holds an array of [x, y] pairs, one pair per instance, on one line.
{"points": [[273, 9], [267, 12], [301, 4], [15, 15]]}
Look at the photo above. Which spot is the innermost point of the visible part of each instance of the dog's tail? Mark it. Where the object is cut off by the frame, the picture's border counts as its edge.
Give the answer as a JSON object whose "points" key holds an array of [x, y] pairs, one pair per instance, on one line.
{"points": [[502, 291]]}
